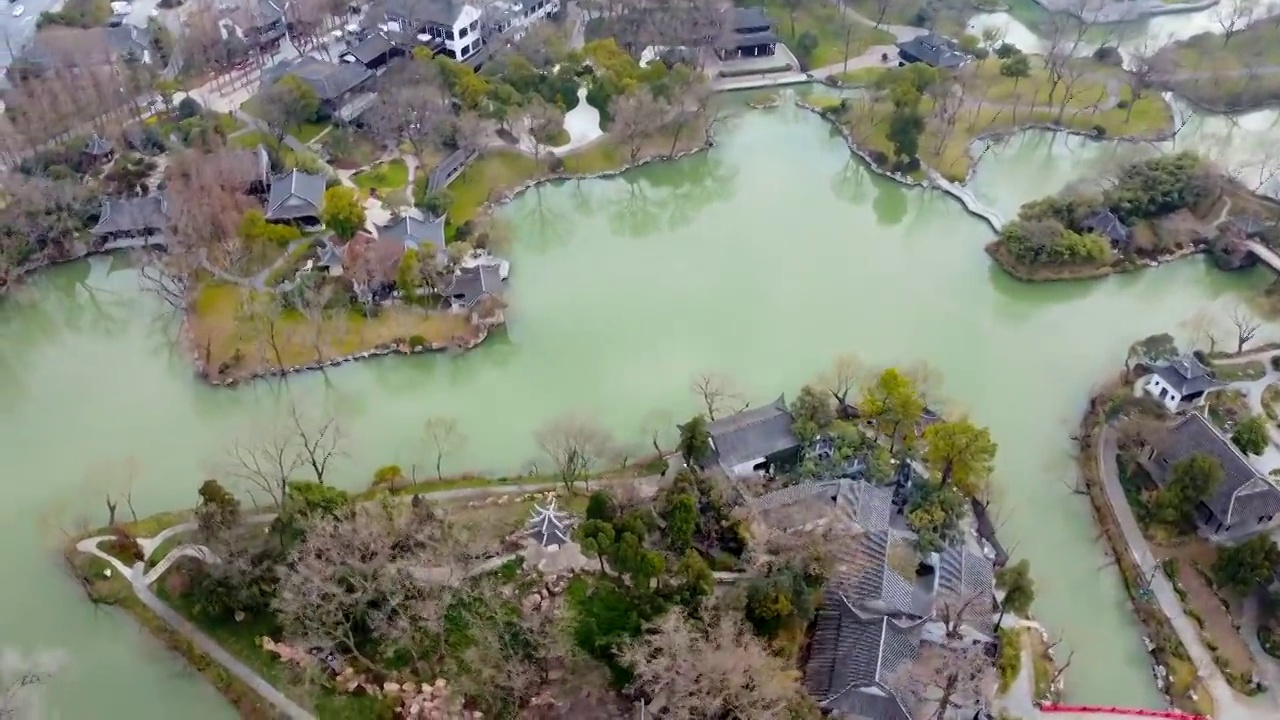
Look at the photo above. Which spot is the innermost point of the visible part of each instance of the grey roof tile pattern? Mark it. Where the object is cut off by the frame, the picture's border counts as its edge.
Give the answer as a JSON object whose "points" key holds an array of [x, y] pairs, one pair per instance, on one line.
{"points": [[934, 50], [98, 146], [753, 433], [1186, 375], [330, 80], [295, 195], [371, 48], [1194, 435], [848, 502], [967, 578], [869, 581], [440, 12], [1106, 224], [145, 214], [414, 233], [471, 284], [853, 655], [749, 18], [548, 526]]}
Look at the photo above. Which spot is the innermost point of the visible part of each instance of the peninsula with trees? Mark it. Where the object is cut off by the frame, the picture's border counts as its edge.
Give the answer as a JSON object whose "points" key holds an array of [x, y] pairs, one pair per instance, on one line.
{"points": [[1152, 211], [302, 213], [1177, 452], [686, 583], [925, 116]]}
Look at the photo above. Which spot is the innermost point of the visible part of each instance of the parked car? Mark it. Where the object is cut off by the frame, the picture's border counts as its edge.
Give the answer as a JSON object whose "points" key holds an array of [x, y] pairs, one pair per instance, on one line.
{"points": [[18, 10]]}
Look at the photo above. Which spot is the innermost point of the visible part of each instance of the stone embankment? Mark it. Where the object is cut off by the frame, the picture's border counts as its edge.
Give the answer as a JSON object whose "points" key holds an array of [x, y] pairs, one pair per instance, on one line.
{"points": [[202, 370]]}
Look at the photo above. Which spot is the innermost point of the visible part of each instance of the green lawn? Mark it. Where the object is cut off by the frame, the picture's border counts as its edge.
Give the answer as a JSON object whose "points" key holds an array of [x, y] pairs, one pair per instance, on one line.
{"points": [[492, 172], [252, 139], [383, 177], [861, 77], [306, 132], [829, 26], [309, 131]]}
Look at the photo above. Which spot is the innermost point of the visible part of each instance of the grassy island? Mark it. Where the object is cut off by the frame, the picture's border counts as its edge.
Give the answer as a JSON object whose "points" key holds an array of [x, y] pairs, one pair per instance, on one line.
{"points": [[1224, 72], [914, 118], [1154, 211]]}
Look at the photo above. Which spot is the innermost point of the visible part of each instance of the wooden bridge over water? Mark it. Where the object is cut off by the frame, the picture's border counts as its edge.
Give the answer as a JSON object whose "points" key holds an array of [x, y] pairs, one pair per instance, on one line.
{"points": [[1266, 255]]}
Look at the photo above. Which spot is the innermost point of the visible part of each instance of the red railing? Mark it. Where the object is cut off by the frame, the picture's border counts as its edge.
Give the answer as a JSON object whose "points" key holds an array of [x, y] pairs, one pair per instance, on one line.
{"points": [[1130, 712]]}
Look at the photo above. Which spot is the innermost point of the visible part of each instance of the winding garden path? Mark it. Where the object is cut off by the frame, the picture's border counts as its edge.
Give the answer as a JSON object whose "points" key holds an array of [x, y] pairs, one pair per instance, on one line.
{"points": [[1228, 704]]}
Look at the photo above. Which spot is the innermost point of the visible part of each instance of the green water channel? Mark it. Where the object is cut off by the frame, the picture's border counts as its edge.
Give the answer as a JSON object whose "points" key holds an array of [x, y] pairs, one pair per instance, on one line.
{"points": [[762, 260]]}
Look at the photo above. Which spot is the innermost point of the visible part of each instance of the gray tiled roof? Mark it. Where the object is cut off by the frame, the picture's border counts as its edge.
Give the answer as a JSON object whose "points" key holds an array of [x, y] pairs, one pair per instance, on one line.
{"points": [[471, 284], [753, 433], [1238, 496], [749, 18], [548, 526], [1106, 224], [967, 578], [295, 195], [97, 145], [853, 656], [330, 80], [330, 255], [935, 50], [1186, 375], [440, 12], [371, 48], [846, 502], [414, 232], [868, 580], [145, 214]]}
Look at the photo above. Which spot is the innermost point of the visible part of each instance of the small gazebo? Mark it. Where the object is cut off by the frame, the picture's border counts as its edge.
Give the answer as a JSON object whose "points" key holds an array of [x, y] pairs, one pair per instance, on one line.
{"points": [[549, 527]]}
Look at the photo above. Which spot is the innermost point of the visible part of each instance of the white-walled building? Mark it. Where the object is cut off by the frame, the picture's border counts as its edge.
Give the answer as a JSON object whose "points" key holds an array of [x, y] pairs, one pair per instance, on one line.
{"points": [[1183, 381], [455, 24]]}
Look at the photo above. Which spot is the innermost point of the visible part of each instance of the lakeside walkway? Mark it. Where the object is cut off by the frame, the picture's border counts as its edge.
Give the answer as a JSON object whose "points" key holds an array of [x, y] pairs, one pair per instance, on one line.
{"points": [[1228, 704], [140, 580]]}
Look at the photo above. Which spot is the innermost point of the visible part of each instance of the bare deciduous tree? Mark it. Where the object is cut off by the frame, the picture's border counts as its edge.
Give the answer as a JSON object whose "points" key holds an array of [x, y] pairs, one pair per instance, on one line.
{"points": [[544, 120], [445, 438], [636, 116], [944, 678], [319, 439], [1246, 326], [655, 423], [847, 372], [716, 392], [116, 480], [1234, 17], [264, 459], [576, 446], [380, 570], [719, 669], [1203, 328]]}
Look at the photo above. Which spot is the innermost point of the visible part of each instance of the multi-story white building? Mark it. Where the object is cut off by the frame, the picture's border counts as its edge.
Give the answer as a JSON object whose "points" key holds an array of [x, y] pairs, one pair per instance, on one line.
{"points": [[462, 27], [455, 24]]}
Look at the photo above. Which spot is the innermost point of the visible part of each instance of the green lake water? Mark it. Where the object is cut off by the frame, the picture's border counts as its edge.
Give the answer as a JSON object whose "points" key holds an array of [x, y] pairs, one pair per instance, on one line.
{"points": [[762, 260]]}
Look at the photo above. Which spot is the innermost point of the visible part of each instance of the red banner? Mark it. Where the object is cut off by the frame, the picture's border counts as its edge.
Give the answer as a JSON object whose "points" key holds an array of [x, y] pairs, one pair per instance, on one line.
{"points": [[1118, 711]]}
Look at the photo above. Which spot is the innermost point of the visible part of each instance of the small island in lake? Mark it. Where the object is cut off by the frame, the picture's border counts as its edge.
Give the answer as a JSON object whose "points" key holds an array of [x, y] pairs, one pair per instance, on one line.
{"points": [[1154, 211]]}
